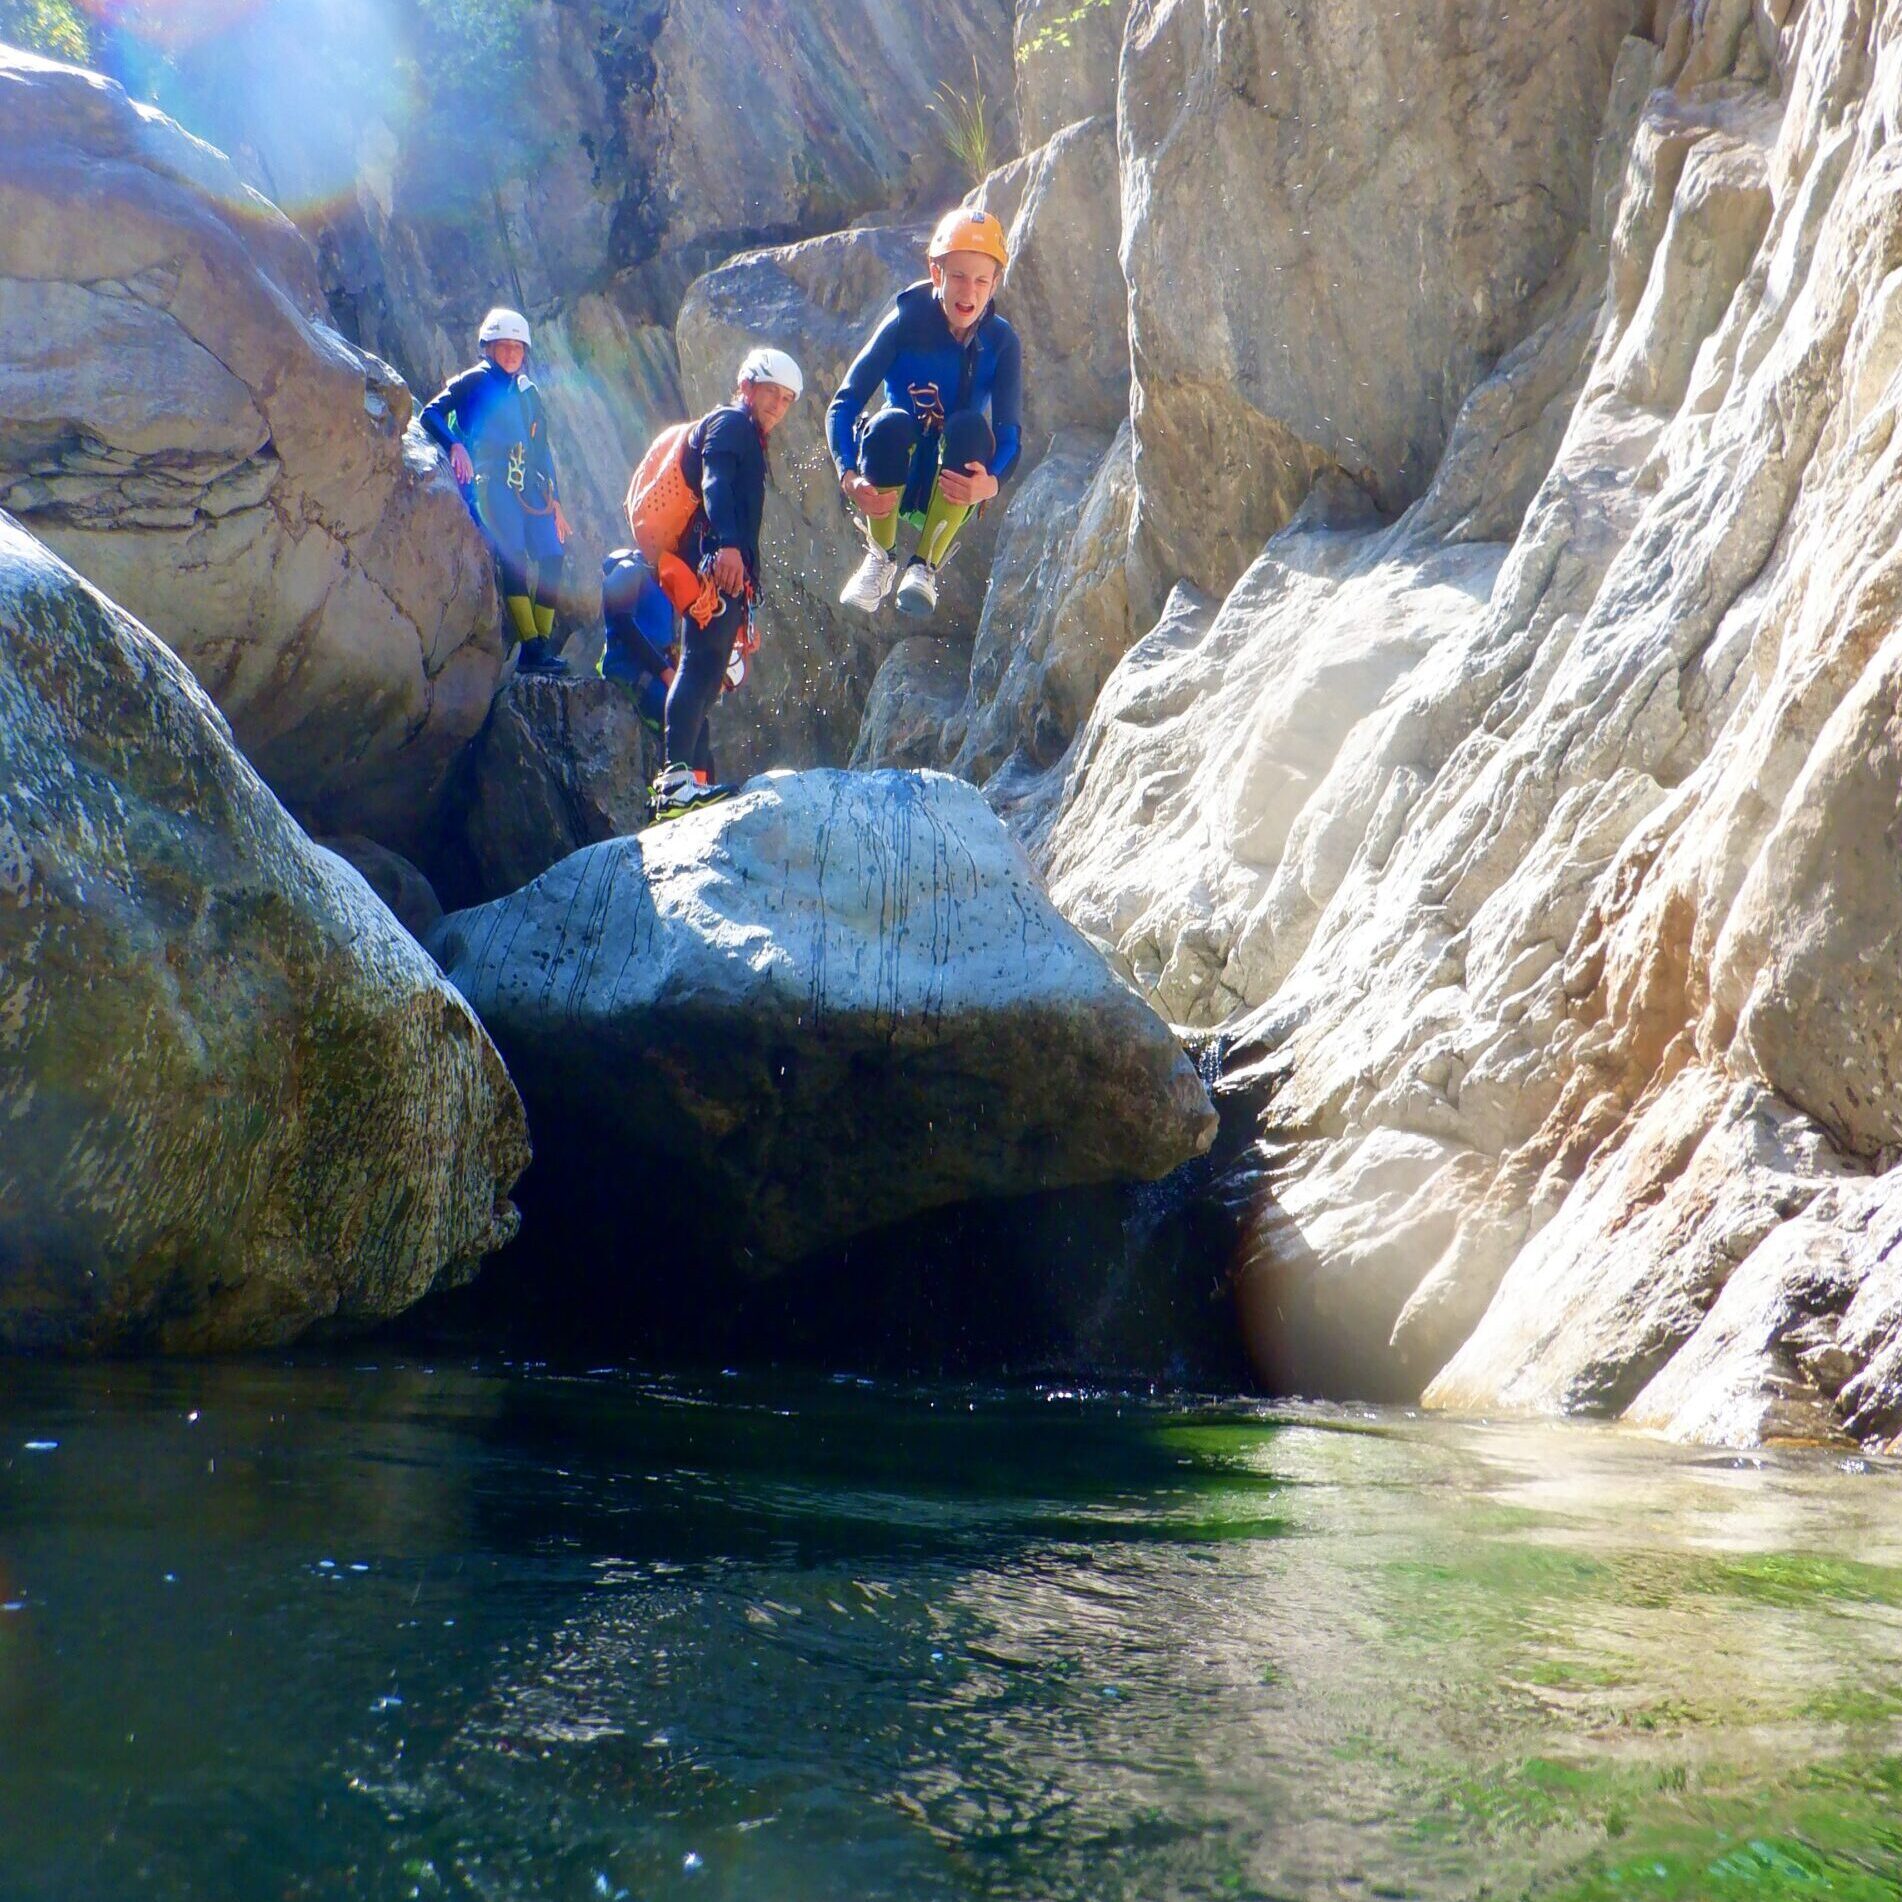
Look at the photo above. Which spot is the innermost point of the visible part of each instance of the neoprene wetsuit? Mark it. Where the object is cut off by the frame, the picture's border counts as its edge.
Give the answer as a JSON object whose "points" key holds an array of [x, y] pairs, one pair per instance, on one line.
{"points": [[931, 377], [498, 419], [725, 462]]}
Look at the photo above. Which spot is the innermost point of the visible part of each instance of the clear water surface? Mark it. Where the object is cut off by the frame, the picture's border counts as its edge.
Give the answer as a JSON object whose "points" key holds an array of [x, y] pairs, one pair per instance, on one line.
{"points": [[286, 1630]]}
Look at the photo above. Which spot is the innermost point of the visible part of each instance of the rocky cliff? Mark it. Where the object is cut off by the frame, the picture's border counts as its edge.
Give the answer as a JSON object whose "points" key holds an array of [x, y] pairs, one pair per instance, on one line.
{"points": [[1540, 851], [585, 161], [1440, 643]]}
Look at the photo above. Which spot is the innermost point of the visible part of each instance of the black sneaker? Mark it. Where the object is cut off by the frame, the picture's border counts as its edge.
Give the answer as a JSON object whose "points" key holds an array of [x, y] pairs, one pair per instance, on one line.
{"points": [[676, 791], [539, 660]]}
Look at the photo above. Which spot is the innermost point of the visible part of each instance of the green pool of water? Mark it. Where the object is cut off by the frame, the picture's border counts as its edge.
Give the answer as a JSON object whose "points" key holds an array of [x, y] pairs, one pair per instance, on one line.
{"points": [[293, 1630]]}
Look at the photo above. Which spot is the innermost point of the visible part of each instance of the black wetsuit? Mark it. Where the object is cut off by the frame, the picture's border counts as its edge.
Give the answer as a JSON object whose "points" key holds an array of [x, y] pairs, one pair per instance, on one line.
{"points": [[725, 461]]}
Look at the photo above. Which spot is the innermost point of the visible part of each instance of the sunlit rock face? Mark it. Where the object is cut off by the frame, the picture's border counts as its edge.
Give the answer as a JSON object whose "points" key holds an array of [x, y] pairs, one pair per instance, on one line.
{"points": [[1334, 217], [180, 423], [1547, 872], [587, 161], [239, 1099], [833, 1002]]}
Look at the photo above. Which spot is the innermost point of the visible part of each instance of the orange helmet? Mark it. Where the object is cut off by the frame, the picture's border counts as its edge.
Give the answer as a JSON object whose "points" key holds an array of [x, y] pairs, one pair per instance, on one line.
{"points": [[964, 230]]}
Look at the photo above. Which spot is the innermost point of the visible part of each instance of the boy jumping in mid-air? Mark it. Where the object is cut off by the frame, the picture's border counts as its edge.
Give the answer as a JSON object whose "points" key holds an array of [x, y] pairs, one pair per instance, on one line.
{"points": [[929, 454]]}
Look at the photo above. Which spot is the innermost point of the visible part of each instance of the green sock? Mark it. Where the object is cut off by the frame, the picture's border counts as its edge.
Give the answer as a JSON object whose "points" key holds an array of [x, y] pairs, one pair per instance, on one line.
{"points": [[884, 528], [544, 621], [942, 521], [522, 614]]}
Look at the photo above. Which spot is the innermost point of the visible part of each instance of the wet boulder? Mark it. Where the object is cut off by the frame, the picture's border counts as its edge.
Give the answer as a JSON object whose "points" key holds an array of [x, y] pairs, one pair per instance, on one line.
{"points": [[239, 1100], [838, 1000]]}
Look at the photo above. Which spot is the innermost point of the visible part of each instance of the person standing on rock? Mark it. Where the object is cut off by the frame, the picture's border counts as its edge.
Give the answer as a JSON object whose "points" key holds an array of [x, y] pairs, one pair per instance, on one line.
{"points": [[490, 420], [694, 507], [929, 455]]}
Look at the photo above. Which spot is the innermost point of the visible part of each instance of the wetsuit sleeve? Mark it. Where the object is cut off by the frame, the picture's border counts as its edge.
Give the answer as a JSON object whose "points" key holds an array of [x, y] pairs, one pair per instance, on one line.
{"points": [[866, 374], [548, 449], [1007, 392], [724, 468], [445, 417]]}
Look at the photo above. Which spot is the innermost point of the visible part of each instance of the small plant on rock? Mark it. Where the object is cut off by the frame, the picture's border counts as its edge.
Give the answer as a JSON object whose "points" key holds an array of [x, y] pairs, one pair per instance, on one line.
{"points": [[964, 123]]}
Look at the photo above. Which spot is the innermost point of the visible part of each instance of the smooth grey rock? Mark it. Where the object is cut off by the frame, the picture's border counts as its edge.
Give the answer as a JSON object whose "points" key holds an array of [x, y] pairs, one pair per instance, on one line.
{"points": [[561, 765], [178, 420], [1415, 173], [919, 688], [1066, 63], [835, 1001], [239, 1099]]}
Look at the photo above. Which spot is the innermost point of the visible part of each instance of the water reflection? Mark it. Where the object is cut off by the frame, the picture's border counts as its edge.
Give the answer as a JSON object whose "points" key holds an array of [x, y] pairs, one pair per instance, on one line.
{"points": [[316, 1629]]}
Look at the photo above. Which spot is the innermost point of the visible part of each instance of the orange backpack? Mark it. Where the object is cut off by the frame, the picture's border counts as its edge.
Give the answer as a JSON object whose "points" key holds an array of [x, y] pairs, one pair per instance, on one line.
{"points": [[660, 503]]}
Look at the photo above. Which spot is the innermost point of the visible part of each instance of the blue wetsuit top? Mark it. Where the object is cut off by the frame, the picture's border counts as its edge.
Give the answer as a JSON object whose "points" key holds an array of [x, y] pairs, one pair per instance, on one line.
{"points": [[725, 461], [498, 419], [923, 368]]}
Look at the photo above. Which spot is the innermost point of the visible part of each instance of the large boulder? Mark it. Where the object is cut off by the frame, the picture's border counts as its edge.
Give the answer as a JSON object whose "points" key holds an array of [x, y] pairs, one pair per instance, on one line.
{"points": [[179, 422], [239, 1099], [917, 694], [1416, 171], [183, 426], [836, 1001]]}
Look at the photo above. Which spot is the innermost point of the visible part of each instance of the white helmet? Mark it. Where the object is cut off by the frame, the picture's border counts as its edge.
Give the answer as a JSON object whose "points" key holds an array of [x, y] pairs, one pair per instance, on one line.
{"points": [[772, 366], [503, 325]]}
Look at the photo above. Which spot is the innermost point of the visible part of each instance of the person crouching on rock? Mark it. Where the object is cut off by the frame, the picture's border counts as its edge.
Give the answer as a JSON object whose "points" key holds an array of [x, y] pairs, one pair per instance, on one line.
{"points": [[641, 641], [694, 507], [929, 455], [491, 422]]}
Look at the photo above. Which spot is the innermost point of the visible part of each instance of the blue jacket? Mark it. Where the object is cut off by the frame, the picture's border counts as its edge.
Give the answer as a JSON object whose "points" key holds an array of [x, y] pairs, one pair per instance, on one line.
{"points": [[923, 368], [498, 419], [725, 462]]}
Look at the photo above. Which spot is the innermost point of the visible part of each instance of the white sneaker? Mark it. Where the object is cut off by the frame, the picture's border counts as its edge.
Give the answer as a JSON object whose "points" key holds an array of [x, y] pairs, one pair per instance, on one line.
{"points": [[871, 581], [918, 592]]}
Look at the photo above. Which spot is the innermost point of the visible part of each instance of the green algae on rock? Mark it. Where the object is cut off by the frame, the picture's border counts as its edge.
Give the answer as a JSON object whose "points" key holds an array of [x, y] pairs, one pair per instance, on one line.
{"points": [[238, 1100]]}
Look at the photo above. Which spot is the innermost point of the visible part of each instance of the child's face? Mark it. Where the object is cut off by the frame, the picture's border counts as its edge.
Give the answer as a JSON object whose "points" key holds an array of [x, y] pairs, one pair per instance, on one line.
{"points": [[965, 282], [508, 357], [769, 403]]}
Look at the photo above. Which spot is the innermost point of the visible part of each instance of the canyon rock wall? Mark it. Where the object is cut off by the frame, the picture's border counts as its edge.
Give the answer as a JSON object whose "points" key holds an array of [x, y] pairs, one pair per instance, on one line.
{"points": [[1546, 875]]}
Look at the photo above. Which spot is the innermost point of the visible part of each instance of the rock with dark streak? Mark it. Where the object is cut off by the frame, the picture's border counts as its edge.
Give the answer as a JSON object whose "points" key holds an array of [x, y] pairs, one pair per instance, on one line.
{"points": [[836, 1001]]}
